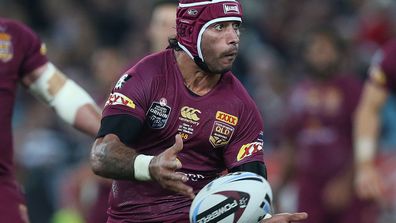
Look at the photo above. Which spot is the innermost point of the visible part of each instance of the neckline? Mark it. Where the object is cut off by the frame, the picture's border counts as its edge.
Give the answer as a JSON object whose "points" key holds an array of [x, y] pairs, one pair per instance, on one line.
{"points": [[180, 81]]}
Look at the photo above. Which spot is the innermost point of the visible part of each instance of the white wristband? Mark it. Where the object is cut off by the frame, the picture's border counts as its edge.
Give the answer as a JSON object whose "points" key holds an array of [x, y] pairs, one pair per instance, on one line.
{"points": [[141, 167], [364, 150]]}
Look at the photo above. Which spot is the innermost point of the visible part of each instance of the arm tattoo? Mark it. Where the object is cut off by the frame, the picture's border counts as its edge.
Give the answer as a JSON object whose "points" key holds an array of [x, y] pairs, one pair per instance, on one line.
{"points": [[112, 159]]}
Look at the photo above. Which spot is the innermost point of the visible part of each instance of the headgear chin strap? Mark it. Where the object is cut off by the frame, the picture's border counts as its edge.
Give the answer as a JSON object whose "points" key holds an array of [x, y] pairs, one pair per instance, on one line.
{"points": [[195, 16]]}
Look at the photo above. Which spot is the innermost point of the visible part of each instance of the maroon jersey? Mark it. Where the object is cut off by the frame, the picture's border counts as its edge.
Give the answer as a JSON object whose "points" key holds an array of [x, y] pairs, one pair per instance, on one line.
{"points": [[220, 130], [320, 125], [383, 69], [21, 52]]}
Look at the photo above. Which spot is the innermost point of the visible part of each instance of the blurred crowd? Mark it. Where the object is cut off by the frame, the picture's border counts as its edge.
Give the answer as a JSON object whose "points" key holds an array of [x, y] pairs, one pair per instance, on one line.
{"points": [[94, 41]]}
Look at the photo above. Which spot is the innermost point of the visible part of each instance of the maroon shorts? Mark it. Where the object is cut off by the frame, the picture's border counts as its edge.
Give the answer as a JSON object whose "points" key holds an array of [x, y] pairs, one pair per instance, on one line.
{"points": [[12, 204]]}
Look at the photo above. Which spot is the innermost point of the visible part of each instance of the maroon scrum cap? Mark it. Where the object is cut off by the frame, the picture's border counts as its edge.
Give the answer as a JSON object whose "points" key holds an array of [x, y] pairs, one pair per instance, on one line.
{"points": [[194, 16]]}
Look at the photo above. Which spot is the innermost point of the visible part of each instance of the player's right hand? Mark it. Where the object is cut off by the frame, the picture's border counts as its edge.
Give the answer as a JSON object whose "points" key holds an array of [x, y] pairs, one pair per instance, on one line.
{"points": [[368, 182], [163, 169]]}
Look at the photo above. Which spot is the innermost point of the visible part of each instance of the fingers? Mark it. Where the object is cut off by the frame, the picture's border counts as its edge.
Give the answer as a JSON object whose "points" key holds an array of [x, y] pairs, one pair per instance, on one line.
{"points": [[286, 218], [369, 184], [163, 169], [177, 147], [171, 154], [298, 216], [181, 188]]}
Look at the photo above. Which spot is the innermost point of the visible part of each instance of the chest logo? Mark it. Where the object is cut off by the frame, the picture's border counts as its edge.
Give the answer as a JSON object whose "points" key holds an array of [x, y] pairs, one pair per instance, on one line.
{"points": [[221, 134], [190, 113], [227, 118], [158, 115], [6, 50]]}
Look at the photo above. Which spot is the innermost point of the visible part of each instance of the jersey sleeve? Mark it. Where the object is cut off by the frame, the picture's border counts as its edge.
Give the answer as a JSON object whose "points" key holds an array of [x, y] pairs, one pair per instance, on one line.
{"points": [[34, 50], [129, 96], [247, 144]]}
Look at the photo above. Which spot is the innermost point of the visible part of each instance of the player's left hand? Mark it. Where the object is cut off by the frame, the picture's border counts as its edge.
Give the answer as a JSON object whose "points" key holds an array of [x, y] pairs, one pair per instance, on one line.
{"points": [[163, 169], [286, 218]]}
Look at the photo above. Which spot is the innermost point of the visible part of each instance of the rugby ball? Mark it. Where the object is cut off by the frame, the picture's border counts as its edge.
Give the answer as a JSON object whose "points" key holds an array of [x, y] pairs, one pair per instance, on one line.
{"points": [[239, 197]]}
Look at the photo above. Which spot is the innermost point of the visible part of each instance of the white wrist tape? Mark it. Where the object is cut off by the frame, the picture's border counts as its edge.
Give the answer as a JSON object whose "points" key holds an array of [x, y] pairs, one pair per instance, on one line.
{"points": [[364, 150], [69, 99], [40, 87], [141, 167]]}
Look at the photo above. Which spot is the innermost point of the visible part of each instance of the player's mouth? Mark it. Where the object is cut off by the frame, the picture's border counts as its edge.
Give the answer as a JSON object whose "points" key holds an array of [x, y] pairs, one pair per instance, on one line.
{"points": [[230, 55]]}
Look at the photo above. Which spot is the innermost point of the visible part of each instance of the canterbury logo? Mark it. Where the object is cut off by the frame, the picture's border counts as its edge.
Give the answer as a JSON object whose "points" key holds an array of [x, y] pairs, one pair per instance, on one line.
{"points": [[190, 113]]}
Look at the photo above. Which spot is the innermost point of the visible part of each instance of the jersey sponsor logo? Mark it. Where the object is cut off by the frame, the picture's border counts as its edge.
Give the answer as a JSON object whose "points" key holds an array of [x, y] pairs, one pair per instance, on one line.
{"points": [[235, 203], [230, 8], [189, 119], [227, 118], [249, 149], [122, 81], [190, 113], [158, 115], [221, 134], [119, 99], [6, 49]]}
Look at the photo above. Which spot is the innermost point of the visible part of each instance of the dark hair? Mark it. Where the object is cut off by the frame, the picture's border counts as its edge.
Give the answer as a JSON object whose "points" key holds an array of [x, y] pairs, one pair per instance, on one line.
{"points": [[173, 44], [329, 32]]}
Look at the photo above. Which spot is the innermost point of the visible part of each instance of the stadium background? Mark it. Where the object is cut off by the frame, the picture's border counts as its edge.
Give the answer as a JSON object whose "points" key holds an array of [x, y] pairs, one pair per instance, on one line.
{"points": [[93, 41]]}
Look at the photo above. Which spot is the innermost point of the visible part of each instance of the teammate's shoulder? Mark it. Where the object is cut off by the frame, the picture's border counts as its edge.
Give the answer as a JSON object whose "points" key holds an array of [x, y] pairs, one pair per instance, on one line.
{"points": [[14, 25]]}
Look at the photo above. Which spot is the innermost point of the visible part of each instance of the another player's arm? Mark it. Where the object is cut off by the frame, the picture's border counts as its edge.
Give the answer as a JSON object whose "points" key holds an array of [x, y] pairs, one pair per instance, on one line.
{"points": [[366, 131], [70, 101], [112, 158]]}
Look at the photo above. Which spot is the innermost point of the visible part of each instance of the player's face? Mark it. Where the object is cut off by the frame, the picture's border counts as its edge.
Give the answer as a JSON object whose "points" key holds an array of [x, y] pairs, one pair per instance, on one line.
{"points": [[219, 45], [321, 54], [162, 26]]}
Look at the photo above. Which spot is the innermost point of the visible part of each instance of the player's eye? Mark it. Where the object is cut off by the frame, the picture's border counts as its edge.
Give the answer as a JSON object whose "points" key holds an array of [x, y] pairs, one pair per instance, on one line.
{"points": [[218, 26], [236, 26]]}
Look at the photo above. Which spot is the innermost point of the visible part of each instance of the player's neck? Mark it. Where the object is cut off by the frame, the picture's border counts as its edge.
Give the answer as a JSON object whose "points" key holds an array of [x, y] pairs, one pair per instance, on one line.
{"points": [[195, 79]]}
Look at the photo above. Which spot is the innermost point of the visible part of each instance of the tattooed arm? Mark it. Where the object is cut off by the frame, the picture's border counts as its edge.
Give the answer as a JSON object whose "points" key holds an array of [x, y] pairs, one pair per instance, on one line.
{"points": [[111, 158]]}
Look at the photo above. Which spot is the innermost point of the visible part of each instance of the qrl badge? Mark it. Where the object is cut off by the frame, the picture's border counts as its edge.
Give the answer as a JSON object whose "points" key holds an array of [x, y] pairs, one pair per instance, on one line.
{"points": [[158, 115], [6, 50], [221, 134]]}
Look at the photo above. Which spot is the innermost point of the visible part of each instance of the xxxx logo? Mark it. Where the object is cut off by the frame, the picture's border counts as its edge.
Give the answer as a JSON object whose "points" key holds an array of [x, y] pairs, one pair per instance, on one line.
{"points": [[249, 149], [227, 118], [119, 99], [190, 113]]}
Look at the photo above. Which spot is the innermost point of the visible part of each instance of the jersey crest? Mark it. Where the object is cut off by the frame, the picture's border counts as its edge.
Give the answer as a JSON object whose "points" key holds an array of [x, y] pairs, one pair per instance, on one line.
{"points": [[158, 115], [6, 49], [221, 134]]}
